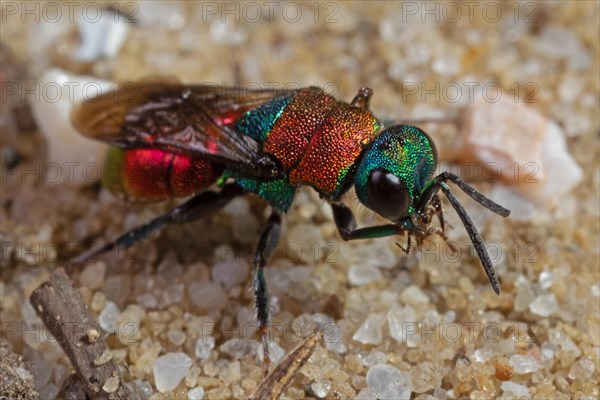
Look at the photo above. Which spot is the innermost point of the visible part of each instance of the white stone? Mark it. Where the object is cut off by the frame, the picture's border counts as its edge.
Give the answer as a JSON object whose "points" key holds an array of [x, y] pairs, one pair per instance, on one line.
{"points": [[52, 112], [523, 364], [387, 382], [333, 338], [109, 316], [276, 353], [414, 296], [370, 330], [236, 347], [93, 275], [176, 337], [516, 389], [101, 36], [196, 393], [360, 274], [544, 305], [377, 357], [207, 295], [365, 394], [204, 346], [230, 273], [170, 369], [546, 279], [513, 143], [582, 369], [321, 388]]}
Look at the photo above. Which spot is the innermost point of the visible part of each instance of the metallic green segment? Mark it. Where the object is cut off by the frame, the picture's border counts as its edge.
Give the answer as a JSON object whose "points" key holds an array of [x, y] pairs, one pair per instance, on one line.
{"points": [[278, 193], [258, 123], [405, 151], [112, 176]]}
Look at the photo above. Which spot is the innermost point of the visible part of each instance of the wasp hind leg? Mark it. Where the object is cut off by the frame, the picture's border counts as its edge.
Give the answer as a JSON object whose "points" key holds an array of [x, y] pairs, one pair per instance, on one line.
{"points": [[199, 206], [269, 238]]}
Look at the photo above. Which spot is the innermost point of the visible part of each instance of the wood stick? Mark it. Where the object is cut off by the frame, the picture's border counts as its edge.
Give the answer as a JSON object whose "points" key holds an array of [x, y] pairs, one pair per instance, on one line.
{"points": [[61, 308]]}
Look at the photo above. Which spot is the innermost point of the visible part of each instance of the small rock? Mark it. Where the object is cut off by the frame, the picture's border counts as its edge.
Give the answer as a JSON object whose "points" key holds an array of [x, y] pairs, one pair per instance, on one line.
{"points": [[109, 316], [401, 321], [370, 330], [139, 390], [230, 273], [93, 275], [414, 296], [516, 389], [276, 353], [170, 369], [544, 305], [513, 143], [176, 337], [523, 364], [204, 346], [426, 376], [582, 369], [321, 388], [387, 382], [111, 385], [207, 295], [236, 348], [52, 114], [196, 393], [361, 274], [545, 279], [103, 358], [333, 338]]}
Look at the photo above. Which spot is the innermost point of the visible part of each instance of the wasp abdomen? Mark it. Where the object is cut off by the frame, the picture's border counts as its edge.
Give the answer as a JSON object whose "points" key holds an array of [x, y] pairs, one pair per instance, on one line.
{"points": [[154, 175]]}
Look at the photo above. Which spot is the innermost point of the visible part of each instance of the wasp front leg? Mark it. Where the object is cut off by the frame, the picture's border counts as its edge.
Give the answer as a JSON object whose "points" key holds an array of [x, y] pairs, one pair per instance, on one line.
{"points": [[269, 238], [346, 224]]}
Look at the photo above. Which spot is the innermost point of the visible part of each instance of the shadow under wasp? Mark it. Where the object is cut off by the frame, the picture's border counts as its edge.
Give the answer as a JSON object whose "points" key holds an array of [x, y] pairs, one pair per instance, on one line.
{"points": [[174, 140]]}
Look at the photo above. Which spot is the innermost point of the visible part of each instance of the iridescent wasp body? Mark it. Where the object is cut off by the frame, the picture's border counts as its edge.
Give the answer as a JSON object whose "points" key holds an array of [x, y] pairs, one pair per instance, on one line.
{"points": [[173, 140]]}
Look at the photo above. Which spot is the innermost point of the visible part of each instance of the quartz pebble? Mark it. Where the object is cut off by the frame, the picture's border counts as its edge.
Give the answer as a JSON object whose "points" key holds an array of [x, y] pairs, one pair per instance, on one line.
{"points": [[544, 305], [230, 273], [93, 275], [387, 382], [333, 338], [109, 316], [370, 330], [170, 369], [516, 389], [207, 295], [236, 347], [426, 376], [111, 385], [361, 274], [52, 114], [321, 388], [414, 296], [139, 389], [196, 394], [512, 142], [523, 364], [582, 369], [204, 346], [401, 321], [276, 353]]}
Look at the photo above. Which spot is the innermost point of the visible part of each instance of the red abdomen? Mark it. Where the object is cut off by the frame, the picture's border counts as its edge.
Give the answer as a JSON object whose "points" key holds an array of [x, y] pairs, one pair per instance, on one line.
{"points": [[154, 175]]}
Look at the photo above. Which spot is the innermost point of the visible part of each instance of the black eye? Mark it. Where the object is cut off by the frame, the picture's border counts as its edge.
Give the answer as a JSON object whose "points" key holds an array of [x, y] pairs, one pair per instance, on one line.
{"points": [[388, 195]]}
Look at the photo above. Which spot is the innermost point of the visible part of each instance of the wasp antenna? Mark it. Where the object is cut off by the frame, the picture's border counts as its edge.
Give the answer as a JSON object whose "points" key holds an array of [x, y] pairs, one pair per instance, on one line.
{"points": [[472, 231], [474, 194]]}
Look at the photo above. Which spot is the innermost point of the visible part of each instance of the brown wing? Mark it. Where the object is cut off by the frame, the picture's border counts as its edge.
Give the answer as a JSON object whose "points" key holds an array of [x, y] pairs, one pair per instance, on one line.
{"points": [[192, 119]]}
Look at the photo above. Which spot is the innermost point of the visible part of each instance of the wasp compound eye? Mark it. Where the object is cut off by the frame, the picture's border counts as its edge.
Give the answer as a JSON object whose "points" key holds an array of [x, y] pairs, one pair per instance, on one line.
{"points": [[388, 195]]}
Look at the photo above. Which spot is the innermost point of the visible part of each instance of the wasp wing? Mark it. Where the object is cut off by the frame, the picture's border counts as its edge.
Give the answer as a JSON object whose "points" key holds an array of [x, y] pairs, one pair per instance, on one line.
{"points": [[192, 119]]}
